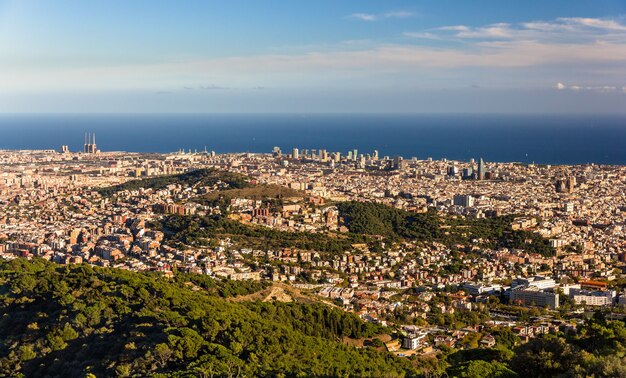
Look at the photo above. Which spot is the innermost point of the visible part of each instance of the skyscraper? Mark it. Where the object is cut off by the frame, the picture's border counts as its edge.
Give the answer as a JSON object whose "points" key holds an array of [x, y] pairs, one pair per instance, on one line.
{"points": [[570, 184], [323, 155], [481, 170], [295, 153], [452, 170], [397, 162], [463, 200]]}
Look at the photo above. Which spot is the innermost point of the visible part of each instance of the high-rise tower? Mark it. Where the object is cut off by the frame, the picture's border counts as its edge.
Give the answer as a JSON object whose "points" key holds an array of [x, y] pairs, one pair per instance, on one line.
{"points": [[481, 169]]}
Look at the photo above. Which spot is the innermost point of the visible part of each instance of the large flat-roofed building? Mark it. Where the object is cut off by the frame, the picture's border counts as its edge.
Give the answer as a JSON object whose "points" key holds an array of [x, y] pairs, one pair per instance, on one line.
{"points": [[593, 285], [535, 298], [592, 298], [479, 288], [540, 282], [463, 200]]}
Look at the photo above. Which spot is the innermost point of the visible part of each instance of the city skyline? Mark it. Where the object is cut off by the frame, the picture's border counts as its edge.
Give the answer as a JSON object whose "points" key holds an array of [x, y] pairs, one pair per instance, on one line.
{"points": [[355, 56], [432, 188]]}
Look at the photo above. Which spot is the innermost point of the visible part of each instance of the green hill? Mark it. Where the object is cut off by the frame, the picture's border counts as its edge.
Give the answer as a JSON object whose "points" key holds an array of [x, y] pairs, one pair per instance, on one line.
{"points": [[254, 192], [369, 218], [198, 177], [68, 321], [197, 231], [377, 219]]}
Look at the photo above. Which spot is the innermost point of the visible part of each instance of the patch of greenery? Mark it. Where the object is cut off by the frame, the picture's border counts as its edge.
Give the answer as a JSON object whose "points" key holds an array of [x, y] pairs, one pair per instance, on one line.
{"points": [[224, 288], [197, 231], [198, 177], [378, 219], [256, 192], [598, 349], [79, 320]]}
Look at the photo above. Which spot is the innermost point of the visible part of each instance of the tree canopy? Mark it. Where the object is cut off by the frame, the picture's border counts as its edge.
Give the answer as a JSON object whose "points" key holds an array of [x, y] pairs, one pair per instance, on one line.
{"points": [[197, 177], [75, 320]]}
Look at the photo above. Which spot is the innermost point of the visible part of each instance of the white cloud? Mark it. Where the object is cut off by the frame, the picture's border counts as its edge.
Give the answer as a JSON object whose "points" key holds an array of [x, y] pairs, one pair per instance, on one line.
{"points": [[363, 16], [546, 26], [457, 28], [500, 30], [211, 87], [399, 14], [597, 23], [606, 88], [588, 88], [375, 17], [530, 52], [307, 68], [424, 35], [571, 30], [492, 31]]}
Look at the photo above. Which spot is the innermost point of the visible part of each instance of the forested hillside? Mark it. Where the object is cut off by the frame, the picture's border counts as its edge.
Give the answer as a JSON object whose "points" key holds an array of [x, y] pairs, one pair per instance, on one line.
{"points": [[202, 177], [378, 219], [369, 218], [78, 321], [72, 320], [197, 230]]}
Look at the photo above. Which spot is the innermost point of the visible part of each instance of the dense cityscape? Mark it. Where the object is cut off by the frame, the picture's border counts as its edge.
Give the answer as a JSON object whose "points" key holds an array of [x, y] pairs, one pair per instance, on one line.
{"points": [[557, 257], [290, 189]]}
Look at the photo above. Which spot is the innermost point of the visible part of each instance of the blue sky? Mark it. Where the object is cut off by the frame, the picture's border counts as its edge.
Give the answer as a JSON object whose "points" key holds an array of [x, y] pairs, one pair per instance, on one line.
{"points": [[313, 56]]}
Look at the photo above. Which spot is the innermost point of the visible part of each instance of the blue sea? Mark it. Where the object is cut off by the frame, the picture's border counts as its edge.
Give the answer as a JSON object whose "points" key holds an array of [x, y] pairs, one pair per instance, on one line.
{"points": [[547, 139]]}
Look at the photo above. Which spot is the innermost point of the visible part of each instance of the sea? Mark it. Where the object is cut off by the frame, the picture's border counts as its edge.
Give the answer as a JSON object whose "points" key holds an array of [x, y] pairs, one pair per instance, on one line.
{"points": [[541, 139]]}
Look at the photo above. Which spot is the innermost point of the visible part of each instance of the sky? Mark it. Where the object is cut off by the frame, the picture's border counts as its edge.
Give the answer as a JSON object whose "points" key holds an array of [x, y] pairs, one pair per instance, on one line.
{"points": [[288, 56]]}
